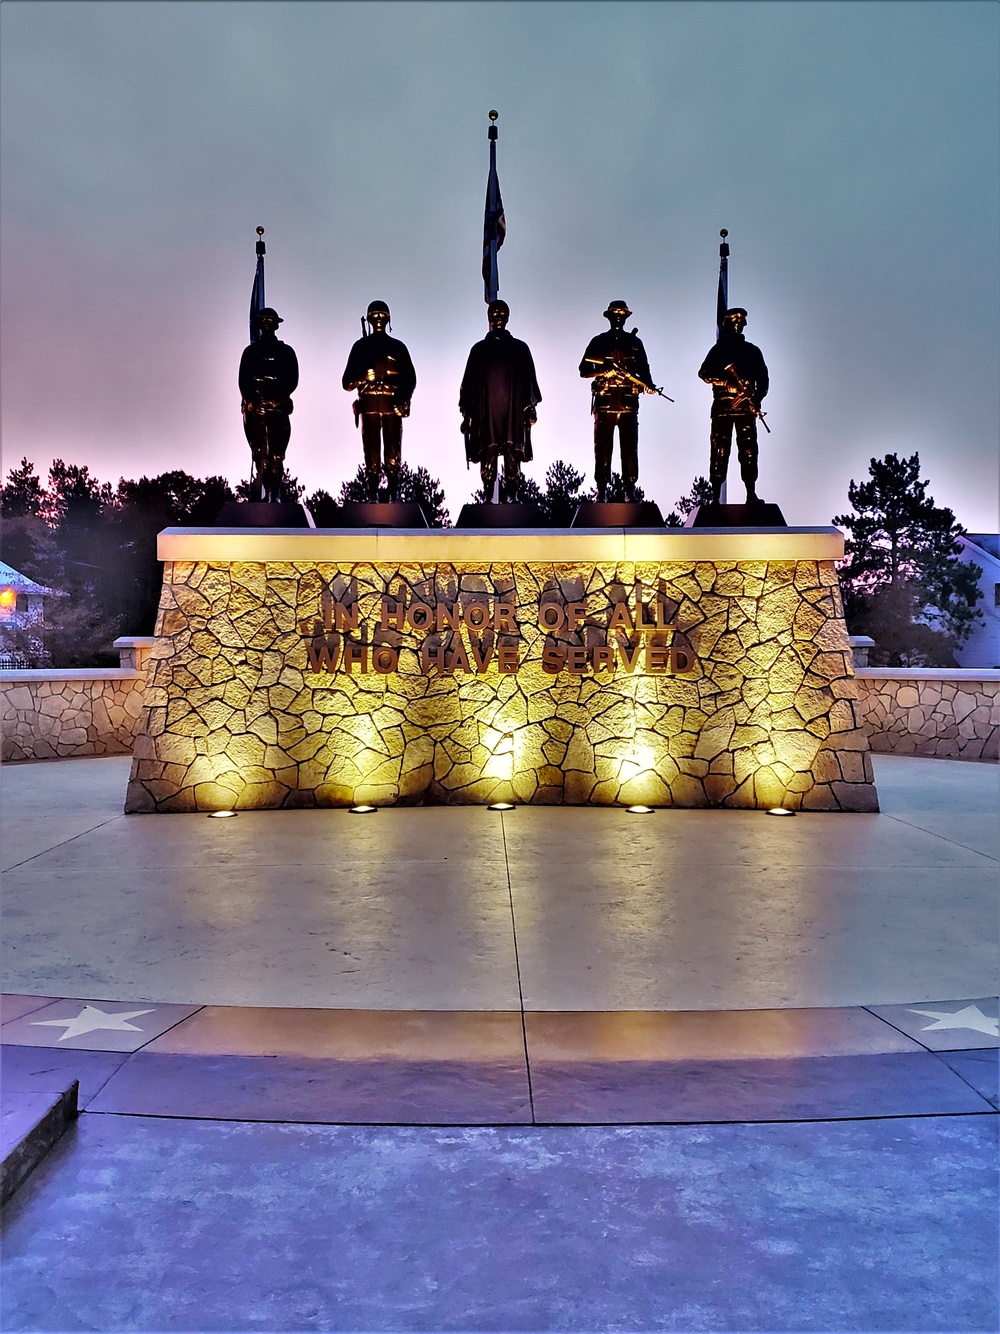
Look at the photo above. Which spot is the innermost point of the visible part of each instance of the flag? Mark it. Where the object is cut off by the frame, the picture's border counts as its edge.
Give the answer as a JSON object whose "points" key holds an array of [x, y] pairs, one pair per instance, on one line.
{"points": [[494, 227], [257, 302], [722, 301]]}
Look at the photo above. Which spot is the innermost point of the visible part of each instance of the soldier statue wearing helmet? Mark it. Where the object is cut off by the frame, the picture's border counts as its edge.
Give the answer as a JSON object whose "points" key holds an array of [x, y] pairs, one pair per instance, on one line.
{"points": [[736, 371], [616, 362], [380, 369], [269, 375]]}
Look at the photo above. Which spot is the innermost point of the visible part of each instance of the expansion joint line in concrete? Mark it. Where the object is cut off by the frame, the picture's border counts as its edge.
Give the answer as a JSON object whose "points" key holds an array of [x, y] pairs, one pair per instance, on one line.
{"points": [[517, 967], [72, 839], [935, 834]]}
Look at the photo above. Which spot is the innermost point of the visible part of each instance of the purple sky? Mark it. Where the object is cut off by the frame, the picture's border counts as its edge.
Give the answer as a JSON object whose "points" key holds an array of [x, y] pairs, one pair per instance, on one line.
{"points": [[851, 150]]}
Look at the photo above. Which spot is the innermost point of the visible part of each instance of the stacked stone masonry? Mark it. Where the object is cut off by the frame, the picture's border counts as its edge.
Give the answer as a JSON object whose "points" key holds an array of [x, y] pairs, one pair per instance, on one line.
{"points": [[949, 714], [46, 715], [236, 717]]}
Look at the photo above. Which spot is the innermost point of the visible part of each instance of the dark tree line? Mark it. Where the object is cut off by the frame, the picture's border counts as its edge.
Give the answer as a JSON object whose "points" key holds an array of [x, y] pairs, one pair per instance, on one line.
{"points": [[95, 544]]}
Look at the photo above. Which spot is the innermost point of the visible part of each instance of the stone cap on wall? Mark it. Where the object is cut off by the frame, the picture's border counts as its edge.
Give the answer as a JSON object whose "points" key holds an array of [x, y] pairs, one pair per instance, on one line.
{"points": [[929, 673], [68, 674], [527, 545]]}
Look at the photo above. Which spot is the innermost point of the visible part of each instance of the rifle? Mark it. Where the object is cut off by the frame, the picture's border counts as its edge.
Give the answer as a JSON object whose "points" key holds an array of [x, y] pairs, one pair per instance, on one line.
{"points": [[745, 395], [627, 375]]}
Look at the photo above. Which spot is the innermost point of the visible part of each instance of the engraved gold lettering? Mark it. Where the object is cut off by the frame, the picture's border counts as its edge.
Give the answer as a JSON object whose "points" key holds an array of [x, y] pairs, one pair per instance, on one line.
{"points": [[576, 659], [482, 658], [459, 660], [657, 658], [476, 615], [323, 657], [681, 660], [505, 618], [603, 658], [393, 614], [448, 618], [553, 658], [354, 655], [629, 659], [385, 659]]}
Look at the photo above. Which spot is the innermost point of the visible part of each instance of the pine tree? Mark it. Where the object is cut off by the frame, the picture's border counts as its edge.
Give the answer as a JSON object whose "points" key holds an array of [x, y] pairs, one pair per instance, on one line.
{"points": [[700, 494], [902, 582], [22, 494]]}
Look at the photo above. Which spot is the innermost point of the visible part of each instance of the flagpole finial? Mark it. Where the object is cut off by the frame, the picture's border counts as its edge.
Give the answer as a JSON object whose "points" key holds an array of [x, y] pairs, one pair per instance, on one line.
{"points": [[493, 125], [260, 231], [261, 250], [723, 233]]}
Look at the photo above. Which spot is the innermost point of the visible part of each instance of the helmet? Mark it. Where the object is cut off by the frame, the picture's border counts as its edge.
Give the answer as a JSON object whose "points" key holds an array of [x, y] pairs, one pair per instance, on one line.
{"points": [[269, 314], [379, 306], [620, 306]]}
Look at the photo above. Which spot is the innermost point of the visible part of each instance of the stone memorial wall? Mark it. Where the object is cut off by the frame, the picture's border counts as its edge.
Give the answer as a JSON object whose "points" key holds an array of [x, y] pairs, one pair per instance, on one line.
{"points": [[304, 677]]}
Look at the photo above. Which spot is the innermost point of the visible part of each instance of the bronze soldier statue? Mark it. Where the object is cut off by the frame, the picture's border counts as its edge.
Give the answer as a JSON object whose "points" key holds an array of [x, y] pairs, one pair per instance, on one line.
{"points": [[269, 375], [497, 401], [616, 362], [380, 369], [736, 371]]}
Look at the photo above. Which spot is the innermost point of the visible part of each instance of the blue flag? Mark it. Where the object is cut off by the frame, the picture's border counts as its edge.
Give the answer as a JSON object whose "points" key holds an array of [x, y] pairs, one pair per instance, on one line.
{"points": [[257, 302], [494, 228], [722, 300]]}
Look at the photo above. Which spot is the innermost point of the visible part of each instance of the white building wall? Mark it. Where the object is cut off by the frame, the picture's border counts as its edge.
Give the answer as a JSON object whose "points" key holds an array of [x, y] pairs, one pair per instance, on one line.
{"points": [[982, 648]]}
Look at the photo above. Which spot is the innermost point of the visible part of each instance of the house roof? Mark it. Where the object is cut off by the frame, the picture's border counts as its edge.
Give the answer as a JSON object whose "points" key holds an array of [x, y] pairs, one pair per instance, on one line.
{"points": [[988, 542], [11, 578]]}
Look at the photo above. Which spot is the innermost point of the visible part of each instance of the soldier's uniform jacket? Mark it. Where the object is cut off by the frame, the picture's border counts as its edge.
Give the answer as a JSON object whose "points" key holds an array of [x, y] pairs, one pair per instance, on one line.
{"points": [[499, 392], [613, 393], [747, 361], [269, 374], [392, 379]]}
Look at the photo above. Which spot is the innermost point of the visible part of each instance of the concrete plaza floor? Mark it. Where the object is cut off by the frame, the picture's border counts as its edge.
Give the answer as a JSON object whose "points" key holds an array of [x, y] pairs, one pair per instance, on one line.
{"points": [[555, 908], [696, 1070]]}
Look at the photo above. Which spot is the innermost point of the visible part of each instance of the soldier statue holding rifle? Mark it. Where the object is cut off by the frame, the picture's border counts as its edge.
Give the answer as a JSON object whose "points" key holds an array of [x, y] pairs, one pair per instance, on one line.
{"points": [[736, 371], [616, 362], [380, 369]]}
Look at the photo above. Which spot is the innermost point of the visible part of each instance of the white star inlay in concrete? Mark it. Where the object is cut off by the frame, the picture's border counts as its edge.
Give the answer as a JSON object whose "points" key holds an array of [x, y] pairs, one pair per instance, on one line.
{"points": [[90, 1019], [970, 1017]]}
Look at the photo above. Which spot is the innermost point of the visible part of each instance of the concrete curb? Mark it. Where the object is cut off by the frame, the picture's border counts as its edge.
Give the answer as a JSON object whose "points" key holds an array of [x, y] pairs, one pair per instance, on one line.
{"points": [[32, 1124]]}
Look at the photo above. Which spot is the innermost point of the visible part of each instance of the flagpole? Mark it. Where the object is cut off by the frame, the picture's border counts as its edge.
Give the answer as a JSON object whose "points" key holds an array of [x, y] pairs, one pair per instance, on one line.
{"points": [[721, 306], [493, 287]]}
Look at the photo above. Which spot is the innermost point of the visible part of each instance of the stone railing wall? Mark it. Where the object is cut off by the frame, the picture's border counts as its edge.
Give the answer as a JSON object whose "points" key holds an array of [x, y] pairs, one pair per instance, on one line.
{"points": [[50, 713], [906, 711], [931, 711]]}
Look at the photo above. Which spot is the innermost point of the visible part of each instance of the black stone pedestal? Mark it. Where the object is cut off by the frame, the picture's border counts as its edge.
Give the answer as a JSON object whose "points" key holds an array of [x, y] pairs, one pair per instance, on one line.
{"points": [[757, 515], [611, 514], [501, 516], [390, 514], [261, 514]]}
